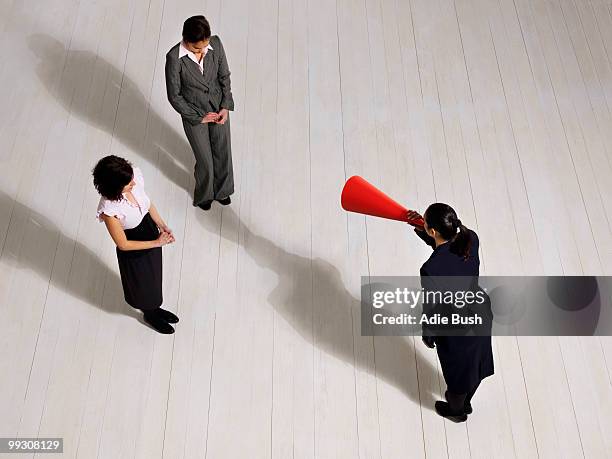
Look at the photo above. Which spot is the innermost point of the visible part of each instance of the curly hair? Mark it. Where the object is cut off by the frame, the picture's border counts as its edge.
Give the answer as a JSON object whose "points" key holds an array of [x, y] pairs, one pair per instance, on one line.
{"points": [[110, 175]]}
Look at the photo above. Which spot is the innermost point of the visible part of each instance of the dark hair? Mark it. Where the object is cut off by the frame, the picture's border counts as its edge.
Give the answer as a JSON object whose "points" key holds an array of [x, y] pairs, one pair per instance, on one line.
{"points": [[195, 29], [443, 219], [111, 175]]}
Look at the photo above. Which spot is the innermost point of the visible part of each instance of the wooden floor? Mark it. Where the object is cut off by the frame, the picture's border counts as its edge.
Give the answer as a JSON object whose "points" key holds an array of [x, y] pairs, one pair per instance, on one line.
{"points": [[502, 108]]}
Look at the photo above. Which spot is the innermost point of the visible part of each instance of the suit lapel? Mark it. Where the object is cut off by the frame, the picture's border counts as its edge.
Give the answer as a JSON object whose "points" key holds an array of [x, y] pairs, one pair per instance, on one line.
{"points": [[194, 69], [208, 62]]}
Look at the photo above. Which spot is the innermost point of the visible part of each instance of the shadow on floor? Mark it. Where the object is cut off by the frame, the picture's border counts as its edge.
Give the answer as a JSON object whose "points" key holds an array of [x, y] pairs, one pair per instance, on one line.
{"points": [[310, 290], [44, 237], [97, 92]]}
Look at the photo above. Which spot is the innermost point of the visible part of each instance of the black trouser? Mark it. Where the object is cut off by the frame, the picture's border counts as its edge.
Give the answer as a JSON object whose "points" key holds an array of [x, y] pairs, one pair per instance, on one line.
{"points": [[457, 402], [151, 313]]}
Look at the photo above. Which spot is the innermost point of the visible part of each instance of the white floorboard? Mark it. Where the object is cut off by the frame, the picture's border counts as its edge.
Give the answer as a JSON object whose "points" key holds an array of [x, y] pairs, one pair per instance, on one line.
{"points": [[501, 108]]}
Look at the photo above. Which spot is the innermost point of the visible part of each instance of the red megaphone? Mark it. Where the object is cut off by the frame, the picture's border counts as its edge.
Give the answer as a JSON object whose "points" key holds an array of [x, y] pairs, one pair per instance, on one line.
{"points": [[362, 197]]}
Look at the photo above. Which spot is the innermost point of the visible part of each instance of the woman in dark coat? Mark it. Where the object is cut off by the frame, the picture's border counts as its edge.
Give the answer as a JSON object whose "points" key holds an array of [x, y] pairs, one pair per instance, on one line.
{"points": [[466, 356], [139, 233]]}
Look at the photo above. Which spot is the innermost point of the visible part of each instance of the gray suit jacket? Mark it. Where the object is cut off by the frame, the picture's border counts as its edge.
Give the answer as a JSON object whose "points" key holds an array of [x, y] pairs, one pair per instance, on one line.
{"points": [[194, 94]]}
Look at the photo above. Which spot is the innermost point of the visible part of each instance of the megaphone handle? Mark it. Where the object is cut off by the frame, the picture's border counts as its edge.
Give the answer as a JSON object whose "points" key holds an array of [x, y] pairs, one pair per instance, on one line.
{"points": [[418, 222]]}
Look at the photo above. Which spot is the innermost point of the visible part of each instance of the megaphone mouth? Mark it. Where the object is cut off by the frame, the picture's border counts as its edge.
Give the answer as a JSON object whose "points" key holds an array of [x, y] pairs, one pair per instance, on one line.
{"points": [[360, 196]]}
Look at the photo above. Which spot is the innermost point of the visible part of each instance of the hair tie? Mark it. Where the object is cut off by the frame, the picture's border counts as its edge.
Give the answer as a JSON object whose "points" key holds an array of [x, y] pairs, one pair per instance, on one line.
{"points": [[457, 224]]}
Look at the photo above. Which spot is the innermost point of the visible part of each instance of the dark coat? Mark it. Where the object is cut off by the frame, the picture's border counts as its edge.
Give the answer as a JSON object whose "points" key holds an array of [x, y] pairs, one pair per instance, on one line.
{"points": [[193, 93], [465, 360]]}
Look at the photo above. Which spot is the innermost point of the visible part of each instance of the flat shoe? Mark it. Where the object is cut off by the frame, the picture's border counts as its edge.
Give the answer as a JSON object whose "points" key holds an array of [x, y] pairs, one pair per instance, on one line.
{"points": [[467, 407], [159, 325], [166, 316], [205, 205], [444, 410]]}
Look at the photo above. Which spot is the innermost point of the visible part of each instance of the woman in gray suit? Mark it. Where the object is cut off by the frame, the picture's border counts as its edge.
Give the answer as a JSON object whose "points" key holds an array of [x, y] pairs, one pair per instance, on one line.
{"points": [[198, 86]]}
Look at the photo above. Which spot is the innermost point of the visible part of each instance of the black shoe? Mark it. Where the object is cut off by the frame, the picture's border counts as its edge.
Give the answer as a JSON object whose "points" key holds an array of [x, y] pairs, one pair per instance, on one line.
{"points": [[467, 407], [166, 316], [225, 202], [205, 205], [158, 324], [444, 410]]}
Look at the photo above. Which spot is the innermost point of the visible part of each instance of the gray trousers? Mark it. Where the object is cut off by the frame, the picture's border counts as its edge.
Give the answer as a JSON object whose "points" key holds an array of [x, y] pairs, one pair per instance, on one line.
{"points": [[214, 175]]}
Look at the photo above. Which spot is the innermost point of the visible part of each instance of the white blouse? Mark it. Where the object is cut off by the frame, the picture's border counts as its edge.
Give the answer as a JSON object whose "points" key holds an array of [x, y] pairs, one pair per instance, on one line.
{"points": [[129, 214], [185, 52]]}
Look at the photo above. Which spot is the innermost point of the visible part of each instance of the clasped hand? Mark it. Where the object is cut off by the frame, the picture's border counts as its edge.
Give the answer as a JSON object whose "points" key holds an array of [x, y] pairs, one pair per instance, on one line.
{"points": [[165, 235], [217, 118]]}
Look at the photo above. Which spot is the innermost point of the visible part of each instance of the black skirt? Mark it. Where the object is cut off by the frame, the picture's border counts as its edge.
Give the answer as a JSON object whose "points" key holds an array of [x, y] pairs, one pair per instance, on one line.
{"points": [[141, 270]]}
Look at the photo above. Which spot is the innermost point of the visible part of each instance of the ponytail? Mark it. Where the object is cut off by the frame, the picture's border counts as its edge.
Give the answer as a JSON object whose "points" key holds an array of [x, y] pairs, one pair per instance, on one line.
{"points": [[462, 241], [443, 219]]}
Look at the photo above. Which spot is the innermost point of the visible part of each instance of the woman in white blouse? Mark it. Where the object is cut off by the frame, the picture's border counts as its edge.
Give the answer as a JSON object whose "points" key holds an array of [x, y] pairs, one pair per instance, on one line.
{"points": [[139, 233]]}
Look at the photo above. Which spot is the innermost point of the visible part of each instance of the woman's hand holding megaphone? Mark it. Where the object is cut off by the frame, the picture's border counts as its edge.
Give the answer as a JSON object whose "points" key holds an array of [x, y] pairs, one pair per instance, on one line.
{"points": [[413, 216]]}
